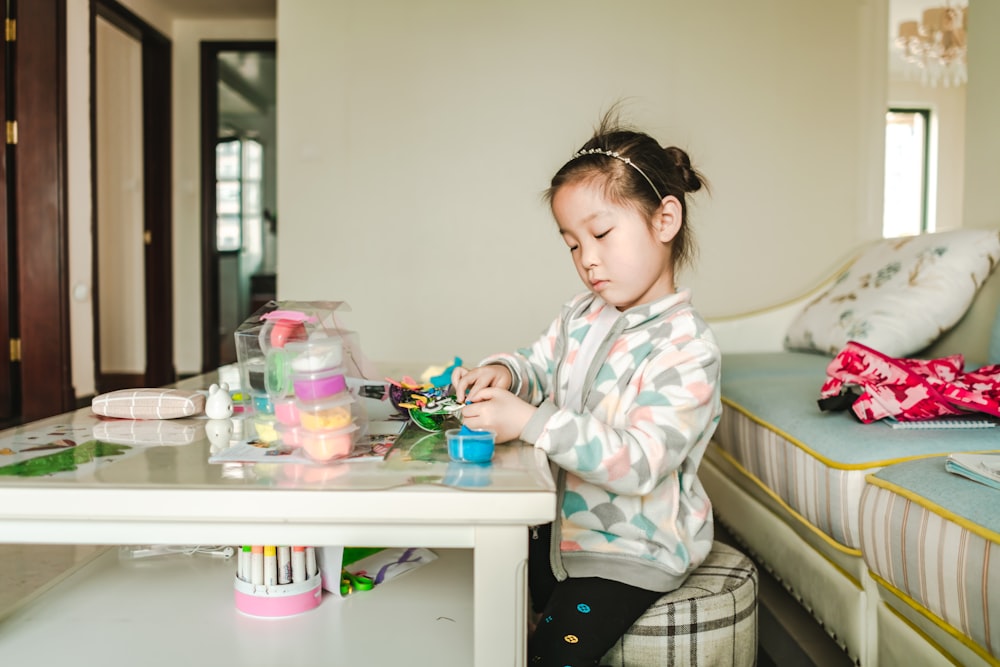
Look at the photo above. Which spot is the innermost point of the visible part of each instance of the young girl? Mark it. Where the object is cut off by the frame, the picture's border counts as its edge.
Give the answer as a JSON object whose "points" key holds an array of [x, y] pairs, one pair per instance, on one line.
{"points": [[621, 392]]}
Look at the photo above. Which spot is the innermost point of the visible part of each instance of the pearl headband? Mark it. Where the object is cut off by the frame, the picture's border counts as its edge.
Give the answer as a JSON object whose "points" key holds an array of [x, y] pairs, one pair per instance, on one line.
{"points": [[617, 156]]}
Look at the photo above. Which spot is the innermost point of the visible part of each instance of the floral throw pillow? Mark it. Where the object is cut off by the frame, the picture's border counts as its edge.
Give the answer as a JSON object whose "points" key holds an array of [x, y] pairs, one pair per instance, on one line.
{"points": [[900, 295]]}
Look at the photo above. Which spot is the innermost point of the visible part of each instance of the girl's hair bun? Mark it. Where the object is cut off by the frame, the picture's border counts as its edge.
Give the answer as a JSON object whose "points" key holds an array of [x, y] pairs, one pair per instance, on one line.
{"points": [[689, 177]]}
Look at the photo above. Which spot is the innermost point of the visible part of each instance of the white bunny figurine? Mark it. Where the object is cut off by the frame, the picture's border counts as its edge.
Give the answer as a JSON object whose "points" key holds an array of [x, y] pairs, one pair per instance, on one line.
{"points": [[219, 432], [219, 404]]}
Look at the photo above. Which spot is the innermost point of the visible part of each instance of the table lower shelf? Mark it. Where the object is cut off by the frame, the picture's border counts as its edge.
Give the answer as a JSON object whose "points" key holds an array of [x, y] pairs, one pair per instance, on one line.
{"points": [[180, 610]]}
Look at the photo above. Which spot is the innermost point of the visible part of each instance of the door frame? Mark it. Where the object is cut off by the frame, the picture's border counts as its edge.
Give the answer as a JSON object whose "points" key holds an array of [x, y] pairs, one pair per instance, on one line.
{"points": [[9, 398], [210, 306], [39, 299], [157, 168]]}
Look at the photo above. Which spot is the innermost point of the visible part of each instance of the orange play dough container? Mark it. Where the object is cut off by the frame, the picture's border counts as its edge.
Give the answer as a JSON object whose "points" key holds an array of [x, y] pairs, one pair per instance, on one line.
{"points": [[328, 445]]}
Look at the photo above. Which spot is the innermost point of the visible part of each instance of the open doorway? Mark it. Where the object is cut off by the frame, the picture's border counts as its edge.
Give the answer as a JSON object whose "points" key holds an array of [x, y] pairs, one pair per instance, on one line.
{"points": [[131, 185], [239, 193]]}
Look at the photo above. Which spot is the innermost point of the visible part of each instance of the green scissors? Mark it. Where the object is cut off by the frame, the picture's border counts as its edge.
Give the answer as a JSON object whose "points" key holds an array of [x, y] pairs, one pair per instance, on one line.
{"points": [[354, 582]]}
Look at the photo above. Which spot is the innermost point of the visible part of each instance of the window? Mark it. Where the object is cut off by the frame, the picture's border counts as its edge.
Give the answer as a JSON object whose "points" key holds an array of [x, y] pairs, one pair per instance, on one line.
{"points": [[907, 144], [238, 196]]}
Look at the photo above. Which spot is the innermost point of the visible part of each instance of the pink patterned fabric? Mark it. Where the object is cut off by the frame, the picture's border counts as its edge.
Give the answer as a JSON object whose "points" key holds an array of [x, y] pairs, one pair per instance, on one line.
{"points": [[911, 389]]}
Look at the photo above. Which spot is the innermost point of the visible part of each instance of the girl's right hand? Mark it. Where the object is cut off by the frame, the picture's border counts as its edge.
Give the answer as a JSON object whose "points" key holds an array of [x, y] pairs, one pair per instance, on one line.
{"points": [[468, 382]]}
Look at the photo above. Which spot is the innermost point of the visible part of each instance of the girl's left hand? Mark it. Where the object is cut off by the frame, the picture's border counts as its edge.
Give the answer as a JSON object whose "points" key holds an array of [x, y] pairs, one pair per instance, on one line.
{"points": [[499, 411]]}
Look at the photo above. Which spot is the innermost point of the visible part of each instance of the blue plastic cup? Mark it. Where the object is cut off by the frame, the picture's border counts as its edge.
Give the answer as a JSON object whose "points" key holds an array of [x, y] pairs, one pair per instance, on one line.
{"points": [[468, 446]]}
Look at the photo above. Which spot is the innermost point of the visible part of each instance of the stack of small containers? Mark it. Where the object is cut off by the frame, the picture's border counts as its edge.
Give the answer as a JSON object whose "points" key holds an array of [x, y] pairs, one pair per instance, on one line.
{"points": [[293, 360], [320, 413]]}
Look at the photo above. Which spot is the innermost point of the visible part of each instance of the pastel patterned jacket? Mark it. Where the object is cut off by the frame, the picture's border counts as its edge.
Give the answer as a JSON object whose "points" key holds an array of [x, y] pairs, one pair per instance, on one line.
{"points": [[631, 507]]}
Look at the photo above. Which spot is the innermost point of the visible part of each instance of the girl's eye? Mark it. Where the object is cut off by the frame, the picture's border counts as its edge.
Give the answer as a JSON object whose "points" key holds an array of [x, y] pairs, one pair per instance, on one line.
{"points": [[602, 235], [573, 248]]}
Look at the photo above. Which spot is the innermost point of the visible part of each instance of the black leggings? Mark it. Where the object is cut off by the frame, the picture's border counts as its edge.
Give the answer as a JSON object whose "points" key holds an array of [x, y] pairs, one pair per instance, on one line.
{"points": [[581, 619]]}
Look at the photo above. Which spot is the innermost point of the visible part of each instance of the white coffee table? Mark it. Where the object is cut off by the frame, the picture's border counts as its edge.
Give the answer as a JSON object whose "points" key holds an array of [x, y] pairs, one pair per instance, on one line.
{"points": [[170, 494]]}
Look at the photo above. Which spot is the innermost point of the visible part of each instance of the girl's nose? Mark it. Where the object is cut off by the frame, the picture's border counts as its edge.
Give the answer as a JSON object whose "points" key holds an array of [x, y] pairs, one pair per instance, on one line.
{"points": [[588, 256]]}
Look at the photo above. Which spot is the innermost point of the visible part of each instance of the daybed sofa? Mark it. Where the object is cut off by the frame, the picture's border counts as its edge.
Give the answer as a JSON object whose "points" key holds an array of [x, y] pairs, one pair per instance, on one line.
{"points": [[897, 559]]}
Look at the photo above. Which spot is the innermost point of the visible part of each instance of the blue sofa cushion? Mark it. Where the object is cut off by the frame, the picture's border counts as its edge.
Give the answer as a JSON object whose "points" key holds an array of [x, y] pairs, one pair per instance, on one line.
{"points": [[927, 482], [787, 403], [811, 461]]}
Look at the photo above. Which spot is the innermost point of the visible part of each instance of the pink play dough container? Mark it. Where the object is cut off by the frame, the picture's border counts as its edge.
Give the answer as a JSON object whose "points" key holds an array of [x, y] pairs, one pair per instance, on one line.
{"points": [[328, 414], [291, 436], [326, 446], [274, 601], [319, 385], [286, 411]]}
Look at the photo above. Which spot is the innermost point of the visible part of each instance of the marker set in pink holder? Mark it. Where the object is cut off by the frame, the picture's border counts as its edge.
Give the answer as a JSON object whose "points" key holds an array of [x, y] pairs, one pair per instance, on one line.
{"points": [[273, 581]]}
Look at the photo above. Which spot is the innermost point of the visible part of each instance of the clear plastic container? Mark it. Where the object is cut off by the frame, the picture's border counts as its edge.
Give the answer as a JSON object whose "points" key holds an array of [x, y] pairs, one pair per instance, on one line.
{"points": [[318, 385], [261, 403], [277, 374], [316, 354], [468, 446], [290, 436], [286, 411], [265, 428], [327, 415], [326, 446], [273, 329]]}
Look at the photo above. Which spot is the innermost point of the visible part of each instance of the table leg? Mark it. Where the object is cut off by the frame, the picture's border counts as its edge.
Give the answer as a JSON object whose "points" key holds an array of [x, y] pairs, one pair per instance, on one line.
{"points": [[500, 590]]}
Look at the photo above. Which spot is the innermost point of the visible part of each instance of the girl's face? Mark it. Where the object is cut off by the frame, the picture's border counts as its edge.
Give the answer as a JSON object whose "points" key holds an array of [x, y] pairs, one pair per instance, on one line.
{"points": [[617, 252]]}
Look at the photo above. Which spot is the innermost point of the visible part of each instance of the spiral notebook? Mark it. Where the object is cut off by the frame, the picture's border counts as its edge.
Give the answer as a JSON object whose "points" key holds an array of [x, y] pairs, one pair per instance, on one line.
{"points": [[958, 421], [982, 468]]}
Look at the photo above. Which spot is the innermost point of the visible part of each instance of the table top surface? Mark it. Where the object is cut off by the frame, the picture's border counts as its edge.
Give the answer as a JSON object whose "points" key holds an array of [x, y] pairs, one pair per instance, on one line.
{"points": [[79, 450]]}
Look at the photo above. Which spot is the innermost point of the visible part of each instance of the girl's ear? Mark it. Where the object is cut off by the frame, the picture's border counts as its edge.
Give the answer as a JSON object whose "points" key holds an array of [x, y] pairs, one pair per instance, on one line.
{"points": [[667, 219]]}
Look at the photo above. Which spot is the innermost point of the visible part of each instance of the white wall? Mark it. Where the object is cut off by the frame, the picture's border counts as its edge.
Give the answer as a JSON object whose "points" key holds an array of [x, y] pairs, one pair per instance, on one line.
{"points": [[416, 138], [982, 166], [78, 195], [187, 36], [414, 145], [120, 184]]}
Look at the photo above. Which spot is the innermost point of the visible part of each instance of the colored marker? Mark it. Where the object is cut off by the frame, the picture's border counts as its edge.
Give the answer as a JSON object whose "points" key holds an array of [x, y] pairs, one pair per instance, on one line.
{"points": [[298, 564], [284, 565], [243, 564], [257, 565], [270, 566], [311, 568]]}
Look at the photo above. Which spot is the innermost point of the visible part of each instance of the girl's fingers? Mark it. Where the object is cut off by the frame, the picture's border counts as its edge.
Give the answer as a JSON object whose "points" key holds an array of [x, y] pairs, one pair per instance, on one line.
{"points": [[458, 379], [481, 391]]}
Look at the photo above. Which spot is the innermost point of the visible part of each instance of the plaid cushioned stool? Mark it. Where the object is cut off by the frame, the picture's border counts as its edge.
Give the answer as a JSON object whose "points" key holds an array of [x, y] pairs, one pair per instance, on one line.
{"points": [[710, 620]]}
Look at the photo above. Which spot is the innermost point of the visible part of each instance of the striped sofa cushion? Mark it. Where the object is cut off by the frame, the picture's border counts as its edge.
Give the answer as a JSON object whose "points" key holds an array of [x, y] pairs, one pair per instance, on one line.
{"points": [[815, 463], [710, 620], [931, 539]]}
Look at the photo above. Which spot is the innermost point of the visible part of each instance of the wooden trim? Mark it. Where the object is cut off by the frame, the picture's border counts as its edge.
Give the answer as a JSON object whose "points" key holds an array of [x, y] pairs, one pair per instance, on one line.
{"points": [[209, 256], [8, 240], [95, 292], [40, 209], [157, 176], [125, 381]]}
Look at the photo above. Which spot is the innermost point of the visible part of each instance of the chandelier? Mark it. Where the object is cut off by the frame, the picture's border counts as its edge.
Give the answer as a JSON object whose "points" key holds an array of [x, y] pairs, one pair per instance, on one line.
{"points": [[934, 47]]}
